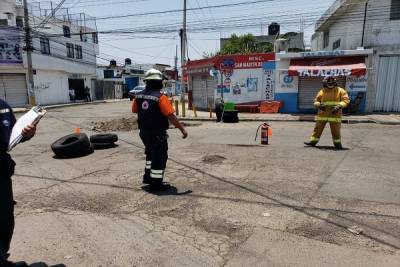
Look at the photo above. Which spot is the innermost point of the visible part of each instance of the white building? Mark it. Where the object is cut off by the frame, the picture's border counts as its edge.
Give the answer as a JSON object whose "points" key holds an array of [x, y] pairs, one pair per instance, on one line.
{"points": [[375, 24], [115, 81], [64, 53]]}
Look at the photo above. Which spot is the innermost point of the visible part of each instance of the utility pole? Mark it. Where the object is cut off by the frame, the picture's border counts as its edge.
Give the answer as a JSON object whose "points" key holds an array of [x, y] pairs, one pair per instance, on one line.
{"points": [[183, 50], [28, 49], [365, 20]]}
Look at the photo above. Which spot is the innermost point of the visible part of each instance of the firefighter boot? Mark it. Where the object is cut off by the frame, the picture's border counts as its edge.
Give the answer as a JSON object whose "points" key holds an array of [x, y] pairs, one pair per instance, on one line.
{"points": [[311, 143], [338, 146]]}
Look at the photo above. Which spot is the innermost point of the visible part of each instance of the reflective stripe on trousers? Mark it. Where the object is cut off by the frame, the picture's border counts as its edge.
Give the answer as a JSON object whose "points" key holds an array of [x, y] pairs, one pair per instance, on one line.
{"points": [[148, 165], [329, 119], [319, 128], [157, 174]]}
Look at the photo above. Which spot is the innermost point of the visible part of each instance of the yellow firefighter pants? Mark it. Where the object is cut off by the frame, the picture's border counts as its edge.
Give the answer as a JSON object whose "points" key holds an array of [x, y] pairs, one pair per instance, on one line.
{"points": [[319, 128]]}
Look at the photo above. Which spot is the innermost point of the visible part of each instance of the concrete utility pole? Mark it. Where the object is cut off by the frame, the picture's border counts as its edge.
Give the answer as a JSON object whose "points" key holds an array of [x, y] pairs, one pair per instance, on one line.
{"points": [[365, 20], [183, 50], [29, 49]]}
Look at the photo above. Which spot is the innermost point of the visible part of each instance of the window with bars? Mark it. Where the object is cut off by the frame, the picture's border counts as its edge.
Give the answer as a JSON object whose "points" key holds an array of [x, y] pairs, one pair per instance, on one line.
{"points": [[95, 38], [336, 44], [395, 10], [45, 46], [326, 39], [70, 50], [78, 51], [67, 31]]}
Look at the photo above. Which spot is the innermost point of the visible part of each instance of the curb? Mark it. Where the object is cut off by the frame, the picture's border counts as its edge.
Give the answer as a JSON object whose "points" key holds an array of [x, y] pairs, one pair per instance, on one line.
{"points": [[344, 121], [96, 102]]}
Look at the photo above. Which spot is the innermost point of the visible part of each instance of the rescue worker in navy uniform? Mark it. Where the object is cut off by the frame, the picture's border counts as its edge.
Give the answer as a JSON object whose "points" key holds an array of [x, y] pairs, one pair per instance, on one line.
{"points": [[154, 114], [7, 121], [219, 108]]}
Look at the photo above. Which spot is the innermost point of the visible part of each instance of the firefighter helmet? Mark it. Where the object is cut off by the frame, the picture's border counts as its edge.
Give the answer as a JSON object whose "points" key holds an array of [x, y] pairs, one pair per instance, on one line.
{"points": [[153, 74], [329, 81]]}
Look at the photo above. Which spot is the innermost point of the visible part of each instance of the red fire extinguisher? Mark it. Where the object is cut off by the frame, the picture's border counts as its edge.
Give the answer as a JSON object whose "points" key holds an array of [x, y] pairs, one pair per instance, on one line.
{"points": [[266, 133]]}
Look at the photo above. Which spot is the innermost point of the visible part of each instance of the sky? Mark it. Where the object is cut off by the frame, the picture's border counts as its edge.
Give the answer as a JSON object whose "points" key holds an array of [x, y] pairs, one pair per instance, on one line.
{"points": [[152, 38]]}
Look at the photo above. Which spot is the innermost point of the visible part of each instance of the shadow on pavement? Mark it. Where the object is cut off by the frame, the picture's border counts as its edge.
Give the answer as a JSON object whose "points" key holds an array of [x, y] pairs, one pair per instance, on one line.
{"points": [[331, 148], [171, 192], [42, 264], [328, 148]]}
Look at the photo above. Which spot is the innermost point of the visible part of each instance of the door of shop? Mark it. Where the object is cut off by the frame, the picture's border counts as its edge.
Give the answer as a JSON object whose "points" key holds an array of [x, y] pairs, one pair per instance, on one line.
{"points": [[13, 89], [309, 88], [388, 86], [78, 85]]}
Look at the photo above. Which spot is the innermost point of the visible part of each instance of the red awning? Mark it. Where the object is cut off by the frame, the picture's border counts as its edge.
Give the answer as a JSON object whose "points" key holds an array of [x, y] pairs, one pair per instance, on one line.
{"points": [[337, 66]]}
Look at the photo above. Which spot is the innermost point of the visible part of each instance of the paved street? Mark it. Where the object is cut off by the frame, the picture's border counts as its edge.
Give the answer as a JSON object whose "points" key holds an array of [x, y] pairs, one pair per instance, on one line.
{"points": [[234, 203]]}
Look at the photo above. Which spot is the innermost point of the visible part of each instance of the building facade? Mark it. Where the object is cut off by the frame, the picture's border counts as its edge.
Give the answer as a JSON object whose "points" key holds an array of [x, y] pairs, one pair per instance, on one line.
{"points": [[372, 24], [115, 81], [235, 78], [64, 53], [299, 77]]}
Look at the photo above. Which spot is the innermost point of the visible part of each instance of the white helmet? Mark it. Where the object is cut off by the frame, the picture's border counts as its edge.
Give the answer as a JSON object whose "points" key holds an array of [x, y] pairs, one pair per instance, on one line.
{"points": [[153, 74]]}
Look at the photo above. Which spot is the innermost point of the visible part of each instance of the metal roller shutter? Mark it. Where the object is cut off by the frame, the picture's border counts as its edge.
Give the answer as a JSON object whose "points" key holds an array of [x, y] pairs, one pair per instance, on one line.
{"points": [[13, 89], [197, 92], [388, 87], [309, 88], [211, 87]]}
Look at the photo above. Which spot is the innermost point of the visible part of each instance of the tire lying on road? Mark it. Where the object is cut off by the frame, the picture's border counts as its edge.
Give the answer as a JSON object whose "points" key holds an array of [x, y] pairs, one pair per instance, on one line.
{"points": [[100, 146], [230, 117], [104, 139], [72, 146]]}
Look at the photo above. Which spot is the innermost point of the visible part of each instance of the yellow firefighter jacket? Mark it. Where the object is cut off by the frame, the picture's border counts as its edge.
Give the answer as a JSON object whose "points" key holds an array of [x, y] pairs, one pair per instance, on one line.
{"points": [[331, 98]]}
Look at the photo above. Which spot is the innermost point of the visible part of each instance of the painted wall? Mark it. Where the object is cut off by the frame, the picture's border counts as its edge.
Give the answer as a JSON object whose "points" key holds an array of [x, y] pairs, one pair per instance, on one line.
{"points": [[51, 87], [10, 46], [251, 79], [286, 87], [245, 85]]}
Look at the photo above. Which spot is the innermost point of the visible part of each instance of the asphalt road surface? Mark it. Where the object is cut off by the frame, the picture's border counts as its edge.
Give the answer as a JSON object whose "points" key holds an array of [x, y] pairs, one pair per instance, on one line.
{"points": [[234, 202]]}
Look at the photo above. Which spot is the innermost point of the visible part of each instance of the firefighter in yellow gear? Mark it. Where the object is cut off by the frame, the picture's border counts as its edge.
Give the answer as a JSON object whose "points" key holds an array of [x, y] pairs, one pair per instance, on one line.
{"points": [[330, 101]]}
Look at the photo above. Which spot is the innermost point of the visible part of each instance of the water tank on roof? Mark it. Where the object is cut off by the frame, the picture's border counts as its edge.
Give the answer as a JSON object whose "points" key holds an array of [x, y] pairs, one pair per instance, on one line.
{"points": [[274, 29], [281, 45], [113, 63], [128, 61]]}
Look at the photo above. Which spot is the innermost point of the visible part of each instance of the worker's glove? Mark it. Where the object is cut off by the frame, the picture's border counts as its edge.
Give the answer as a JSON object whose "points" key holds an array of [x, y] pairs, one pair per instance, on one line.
{"points": [[336, 109], [321, 107]]}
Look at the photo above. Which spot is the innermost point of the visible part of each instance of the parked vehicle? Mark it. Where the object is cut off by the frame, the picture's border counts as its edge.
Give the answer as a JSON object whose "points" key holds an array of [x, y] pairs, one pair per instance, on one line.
{"points": [[136, 90], [167, 91]]}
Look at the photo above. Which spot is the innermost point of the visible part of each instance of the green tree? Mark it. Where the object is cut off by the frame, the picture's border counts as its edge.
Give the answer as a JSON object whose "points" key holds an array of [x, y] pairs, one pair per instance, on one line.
{"points": [[244, 44]]}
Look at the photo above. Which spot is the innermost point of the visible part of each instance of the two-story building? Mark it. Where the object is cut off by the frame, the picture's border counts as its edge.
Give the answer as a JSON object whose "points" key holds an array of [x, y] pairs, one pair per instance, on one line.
{"points": [[372, 24], [64, 53]]}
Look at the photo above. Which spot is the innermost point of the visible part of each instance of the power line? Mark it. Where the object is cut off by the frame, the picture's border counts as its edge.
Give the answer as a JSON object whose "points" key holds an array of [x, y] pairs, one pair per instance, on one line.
{"points": [[180, 10]]}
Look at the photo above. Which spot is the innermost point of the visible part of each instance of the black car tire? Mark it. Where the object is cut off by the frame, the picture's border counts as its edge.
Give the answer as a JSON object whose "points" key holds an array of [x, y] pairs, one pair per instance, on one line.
{"points": [[104, 138], [100, 146], [230, 117], [71, 146]]}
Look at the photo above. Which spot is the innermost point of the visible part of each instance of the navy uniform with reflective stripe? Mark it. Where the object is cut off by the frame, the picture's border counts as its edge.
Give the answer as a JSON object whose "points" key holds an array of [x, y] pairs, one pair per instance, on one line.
{"points": [[153, 125], [150, 117], [7, 122]]}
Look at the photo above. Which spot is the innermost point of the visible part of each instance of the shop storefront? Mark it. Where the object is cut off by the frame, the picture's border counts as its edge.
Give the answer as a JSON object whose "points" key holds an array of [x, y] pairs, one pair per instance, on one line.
{"points": [[300, 75], [201, 83], [235, 78]]}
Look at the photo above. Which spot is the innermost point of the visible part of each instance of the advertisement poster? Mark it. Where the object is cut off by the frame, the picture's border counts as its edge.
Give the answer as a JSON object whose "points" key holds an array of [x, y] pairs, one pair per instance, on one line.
{"points": [[252, 84], [10, 49]]}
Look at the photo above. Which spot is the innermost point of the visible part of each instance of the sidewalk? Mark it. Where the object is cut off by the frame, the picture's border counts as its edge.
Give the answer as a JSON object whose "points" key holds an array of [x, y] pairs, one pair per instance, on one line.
{"points": [[23, 110], [389, 119]]}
